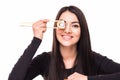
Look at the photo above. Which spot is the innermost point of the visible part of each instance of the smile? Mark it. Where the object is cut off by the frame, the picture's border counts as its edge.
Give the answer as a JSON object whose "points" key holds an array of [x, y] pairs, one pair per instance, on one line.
{"points": [[67, 37]]}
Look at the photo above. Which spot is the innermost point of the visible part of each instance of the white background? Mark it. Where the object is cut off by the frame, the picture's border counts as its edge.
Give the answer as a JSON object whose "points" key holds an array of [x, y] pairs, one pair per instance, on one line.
{"points": [[103, 17]]}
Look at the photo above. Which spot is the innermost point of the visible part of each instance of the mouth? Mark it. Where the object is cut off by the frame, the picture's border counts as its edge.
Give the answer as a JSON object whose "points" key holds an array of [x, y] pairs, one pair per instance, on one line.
{"points": [[67, 37]]}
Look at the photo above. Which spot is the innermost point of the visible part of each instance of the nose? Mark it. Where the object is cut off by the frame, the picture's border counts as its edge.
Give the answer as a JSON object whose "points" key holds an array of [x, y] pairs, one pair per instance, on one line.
{"points": [[67, 28]]}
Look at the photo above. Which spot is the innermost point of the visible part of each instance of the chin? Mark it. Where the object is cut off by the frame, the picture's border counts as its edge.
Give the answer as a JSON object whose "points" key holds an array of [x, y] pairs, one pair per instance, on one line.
{"points": [[66, 44]]}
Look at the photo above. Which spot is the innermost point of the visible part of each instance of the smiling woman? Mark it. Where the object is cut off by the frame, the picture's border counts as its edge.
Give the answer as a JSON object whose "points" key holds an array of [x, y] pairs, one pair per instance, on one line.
{"points": [[71, 56], [71, 34]]}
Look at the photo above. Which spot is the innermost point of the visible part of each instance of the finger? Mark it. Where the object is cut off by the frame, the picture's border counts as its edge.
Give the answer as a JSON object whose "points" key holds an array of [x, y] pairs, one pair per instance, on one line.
{"points": [[42, 25], [43, 21], [39, 25], [72, 76], [40, 22]]}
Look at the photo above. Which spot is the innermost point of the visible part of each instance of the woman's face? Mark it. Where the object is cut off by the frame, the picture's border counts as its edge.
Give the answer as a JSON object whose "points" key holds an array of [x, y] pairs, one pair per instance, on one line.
{"points": [[70, 35]]}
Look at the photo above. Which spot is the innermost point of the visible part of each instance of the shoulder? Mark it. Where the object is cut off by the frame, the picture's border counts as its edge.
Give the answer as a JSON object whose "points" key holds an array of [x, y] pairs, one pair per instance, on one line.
{"points": [[98, 58], [45, 56], [104, 64], [97, 55], [42, 60]]}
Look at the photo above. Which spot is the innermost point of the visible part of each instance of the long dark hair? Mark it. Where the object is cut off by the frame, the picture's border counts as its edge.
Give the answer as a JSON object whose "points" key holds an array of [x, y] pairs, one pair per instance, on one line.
{"points": [[83, 59]]}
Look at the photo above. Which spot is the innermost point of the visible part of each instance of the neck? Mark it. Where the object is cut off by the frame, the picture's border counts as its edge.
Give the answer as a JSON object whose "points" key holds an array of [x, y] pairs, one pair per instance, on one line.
{"points": [[68, 53], [69, 56]]}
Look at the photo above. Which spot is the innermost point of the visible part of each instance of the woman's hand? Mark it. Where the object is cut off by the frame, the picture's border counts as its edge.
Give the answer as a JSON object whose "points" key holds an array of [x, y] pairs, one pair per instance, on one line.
{"points": [[77, 76], [39, 28]]}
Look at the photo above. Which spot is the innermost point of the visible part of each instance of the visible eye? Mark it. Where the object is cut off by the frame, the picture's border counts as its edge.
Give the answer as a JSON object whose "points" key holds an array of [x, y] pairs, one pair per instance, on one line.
{"points": [[75, 25]]}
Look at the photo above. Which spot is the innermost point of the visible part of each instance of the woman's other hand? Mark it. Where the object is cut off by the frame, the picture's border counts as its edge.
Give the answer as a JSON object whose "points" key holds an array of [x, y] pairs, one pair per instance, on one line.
{"points": [[77, 76]]}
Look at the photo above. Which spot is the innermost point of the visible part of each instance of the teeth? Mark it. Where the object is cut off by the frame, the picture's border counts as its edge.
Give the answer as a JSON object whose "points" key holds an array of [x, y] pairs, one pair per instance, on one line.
{"points": [[66, 37]]}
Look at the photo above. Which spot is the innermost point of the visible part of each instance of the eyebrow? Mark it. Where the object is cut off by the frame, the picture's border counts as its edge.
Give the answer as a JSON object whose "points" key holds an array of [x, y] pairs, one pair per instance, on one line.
{"points": [[74, 22], [71, 22]]}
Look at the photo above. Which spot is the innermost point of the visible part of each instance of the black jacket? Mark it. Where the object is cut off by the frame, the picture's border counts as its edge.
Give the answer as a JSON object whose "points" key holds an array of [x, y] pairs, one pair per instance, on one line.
{"points": [[28, 68]]}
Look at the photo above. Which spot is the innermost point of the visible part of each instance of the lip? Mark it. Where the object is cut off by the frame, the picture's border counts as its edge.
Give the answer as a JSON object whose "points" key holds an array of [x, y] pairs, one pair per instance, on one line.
{"points": [[67, 37]]}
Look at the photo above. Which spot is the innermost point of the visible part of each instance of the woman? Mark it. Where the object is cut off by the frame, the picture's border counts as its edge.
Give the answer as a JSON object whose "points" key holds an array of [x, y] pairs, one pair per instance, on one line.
{"points": [[71, 57]]}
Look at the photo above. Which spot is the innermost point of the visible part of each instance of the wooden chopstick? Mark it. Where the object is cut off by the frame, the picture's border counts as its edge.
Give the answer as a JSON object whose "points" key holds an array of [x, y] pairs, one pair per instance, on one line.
{"points": [[29, 24]]}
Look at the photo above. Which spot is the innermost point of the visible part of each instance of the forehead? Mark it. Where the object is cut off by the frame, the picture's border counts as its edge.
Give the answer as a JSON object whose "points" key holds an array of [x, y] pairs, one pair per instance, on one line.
{"points": [[68, 16]]}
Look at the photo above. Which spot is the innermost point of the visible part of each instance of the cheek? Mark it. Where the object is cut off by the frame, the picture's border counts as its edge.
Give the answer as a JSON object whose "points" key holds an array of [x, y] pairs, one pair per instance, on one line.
{"points": [[78, 36], [57, 33], [77, 33]]}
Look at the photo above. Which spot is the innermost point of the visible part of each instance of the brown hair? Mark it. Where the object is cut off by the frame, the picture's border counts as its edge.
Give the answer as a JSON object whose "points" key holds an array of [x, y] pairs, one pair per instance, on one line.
{"points": [[83, 60]]}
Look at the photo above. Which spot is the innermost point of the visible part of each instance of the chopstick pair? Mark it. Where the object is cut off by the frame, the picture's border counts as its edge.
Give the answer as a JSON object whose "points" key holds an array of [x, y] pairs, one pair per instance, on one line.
{"points": [[60, 24]]}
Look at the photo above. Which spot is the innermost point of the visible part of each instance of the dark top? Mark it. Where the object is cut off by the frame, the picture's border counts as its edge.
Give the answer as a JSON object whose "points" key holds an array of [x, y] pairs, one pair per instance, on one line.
{"points": [[27, 68]]}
